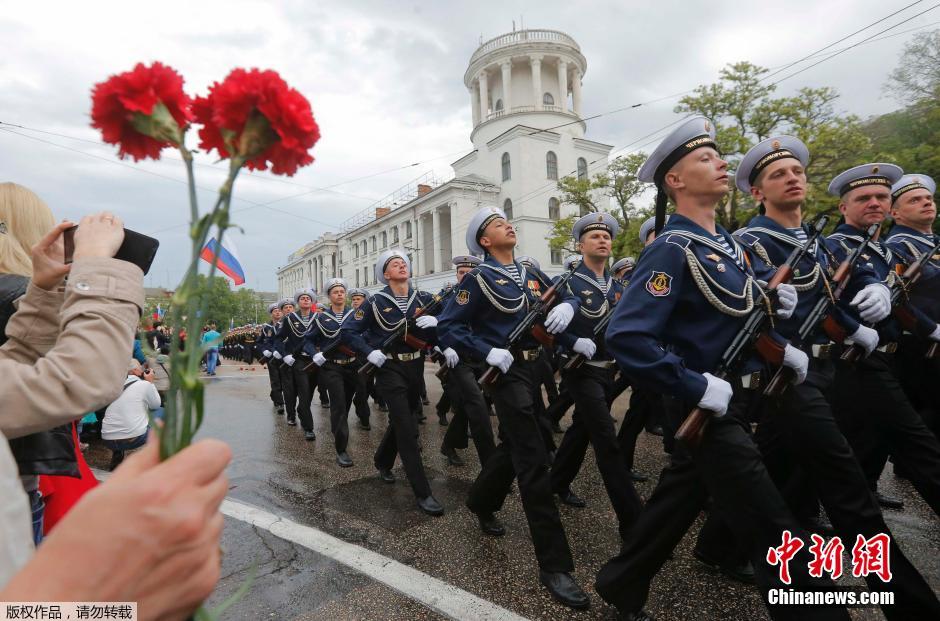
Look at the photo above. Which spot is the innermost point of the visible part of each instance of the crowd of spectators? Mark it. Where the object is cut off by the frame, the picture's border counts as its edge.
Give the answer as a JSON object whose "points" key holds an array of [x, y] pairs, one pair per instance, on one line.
{"points": [[68, 350]]}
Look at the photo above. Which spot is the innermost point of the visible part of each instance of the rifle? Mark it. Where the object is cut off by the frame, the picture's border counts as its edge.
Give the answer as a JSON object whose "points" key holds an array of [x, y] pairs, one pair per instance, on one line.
{"points": [[336, 345], [576, 361], [401, 333], [528, 323], [820, 315], [752, 335], [899, 293]]}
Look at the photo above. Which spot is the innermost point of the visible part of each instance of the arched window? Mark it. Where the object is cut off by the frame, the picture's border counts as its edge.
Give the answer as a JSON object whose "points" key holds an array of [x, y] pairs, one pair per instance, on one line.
{"points": [[499, 106], [384, 239], [507, 173], [507, 207], [551, 165], [554, 209], [548, 100], [582, 168]]}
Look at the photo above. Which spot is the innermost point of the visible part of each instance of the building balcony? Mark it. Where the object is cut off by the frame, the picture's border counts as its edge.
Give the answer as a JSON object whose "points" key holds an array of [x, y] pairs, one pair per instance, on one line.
{"points": [[523, 36]]}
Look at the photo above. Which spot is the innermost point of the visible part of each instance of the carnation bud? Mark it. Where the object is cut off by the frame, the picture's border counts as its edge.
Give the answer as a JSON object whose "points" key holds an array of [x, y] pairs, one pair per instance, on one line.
{"points": [[159, 125], [256, 137]]}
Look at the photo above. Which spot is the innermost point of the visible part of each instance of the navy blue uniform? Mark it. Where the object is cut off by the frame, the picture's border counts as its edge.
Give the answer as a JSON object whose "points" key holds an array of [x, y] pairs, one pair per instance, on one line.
{"points": [[488, 304], [687, 299], [266, 342], [591, 387], [398, 380], [338, 373], [869, 401], [298, 394]]}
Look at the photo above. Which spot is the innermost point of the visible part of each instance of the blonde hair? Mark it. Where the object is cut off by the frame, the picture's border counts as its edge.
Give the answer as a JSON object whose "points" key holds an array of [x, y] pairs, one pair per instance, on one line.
{"points": [[24, 220]]}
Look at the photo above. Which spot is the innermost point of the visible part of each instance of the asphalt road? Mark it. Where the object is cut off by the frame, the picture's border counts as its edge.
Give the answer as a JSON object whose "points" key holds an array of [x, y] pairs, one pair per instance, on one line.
{"points": [[375, 556]]}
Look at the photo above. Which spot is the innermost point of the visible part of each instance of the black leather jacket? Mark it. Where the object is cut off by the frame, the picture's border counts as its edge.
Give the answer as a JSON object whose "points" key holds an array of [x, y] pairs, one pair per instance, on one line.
{"points": [[45, 452]]}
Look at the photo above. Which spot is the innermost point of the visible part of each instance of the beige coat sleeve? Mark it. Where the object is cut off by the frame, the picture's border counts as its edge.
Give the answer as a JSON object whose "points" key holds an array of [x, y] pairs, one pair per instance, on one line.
{"points": [[84, 368]]}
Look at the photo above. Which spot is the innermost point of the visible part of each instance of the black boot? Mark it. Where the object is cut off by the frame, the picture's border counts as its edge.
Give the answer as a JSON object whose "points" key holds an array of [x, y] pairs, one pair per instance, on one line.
{"points": [[564, 589]]}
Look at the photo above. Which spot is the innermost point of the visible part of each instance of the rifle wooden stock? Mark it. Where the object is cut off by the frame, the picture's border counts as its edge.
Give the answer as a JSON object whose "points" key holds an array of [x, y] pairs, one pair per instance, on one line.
{"points": [[574, 362], [540, 334], [443, 373], [781, 379], [853, 354], [489, 376], [770, 350], [692, 428]]}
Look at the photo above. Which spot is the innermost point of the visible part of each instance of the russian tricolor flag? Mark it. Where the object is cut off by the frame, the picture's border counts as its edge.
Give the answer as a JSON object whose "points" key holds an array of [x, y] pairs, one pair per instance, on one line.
{"points": [[225, 258]]}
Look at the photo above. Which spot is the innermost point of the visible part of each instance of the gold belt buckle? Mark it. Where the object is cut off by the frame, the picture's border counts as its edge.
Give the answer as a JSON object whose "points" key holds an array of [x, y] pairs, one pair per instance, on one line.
{"points": [[888, 348], [530, 354], [822, 351], [751, 381]]}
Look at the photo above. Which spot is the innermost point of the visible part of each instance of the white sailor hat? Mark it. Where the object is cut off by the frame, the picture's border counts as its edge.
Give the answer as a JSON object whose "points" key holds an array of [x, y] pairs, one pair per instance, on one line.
{"points": [[600, 221], [528, 261], [335, 282], [912, 182], [271, 307], [478, 224], [570, 261], [384, 260], [692, 134], [308, 292], [624, 263], [647, 227], [466, 260], [358, 291], [877, 173], [285, 302], [765, 153]]}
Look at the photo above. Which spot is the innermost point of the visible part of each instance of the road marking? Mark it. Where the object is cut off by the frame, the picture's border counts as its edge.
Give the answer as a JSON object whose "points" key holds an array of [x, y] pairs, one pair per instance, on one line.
{"points": [[441, 597]]}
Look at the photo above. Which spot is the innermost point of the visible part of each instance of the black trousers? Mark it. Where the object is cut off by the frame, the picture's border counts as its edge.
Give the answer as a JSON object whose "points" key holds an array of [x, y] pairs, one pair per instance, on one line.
{"points": [[469, 409], [361, 397], [727, 465], [288, 390], [918, 377], [397, 382], [340, 382], [304, 383], [521, 454], [592, 388], [877, 419], [645, 407], [444, 404], [274, 375], [798, 429]]}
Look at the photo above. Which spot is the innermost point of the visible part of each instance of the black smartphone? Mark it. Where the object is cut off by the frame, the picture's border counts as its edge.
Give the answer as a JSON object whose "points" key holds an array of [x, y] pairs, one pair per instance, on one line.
{"points": [[137, 248]]}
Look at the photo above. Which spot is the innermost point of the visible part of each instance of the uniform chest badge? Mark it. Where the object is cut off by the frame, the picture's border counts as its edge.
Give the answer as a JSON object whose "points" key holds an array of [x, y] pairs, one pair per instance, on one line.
{"points": [[713, 257], [616, 297], [387, 309], [659, 284], [720, 267], [463, 297], [502, 281], [535, 288], [586, 292], [359, 314], [866, 256]]}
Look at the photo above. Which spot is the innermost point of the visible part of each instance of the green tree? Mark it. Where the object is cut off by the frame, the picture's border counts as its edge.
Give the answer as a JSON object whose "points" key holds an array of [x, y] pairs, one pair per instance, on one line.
{"points": [[744, 112], [918, 72]]}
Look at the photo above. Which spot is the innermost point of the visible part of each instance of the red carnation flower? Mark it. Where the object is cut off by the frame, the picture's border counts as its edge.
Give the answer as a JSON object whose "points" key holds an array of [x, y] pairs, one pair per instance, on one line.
{"points": [[257, 116], [142, 111]]}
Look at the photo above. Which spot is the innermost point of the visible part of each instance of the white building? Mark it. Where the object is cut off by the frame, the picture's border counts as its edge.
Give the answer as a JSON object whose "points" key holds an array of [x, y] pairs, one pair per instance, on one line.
{"points": [[526, 100]]}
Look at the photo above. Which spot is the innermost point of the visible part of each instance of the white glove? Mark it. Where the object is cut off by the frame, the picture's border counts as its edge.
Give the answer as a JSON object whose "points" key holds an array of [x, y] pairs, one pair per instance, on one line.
{"points": [[717, 395], [319, 359], [864, 337], [499, 358], [451, 356], [277, 354], [585, 347], [786, 295], [873, 302], [797, 360], [426, 321], [376, 357], [289, 360], [266, 353], [935, 335], [559, 318]]}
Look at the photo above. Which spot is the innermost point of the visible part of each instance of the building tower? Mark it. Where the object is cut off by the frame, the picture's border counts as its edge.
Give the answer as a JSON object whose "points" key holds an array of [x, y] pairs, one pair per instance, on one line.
{"points": [[526, 102]]}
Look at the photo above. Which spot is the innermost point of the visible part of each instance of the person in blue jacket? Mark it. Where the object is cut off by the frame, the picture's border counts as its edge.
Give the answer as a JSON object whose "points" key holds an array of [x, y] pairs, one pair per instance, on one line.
{"points": [[489, 302], [870, 404], [689, 295], [400, 367]]}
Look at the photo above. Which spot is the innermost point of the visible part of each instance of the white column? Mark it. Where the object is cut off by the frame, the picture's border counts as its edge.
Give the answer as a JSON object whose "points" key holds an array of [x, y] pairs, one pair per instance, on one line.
{"points": [[563, 84], [506, 68], [576, 91], [474, 103], [435, 237], [418, 242], [484, 97], [536, 63]]}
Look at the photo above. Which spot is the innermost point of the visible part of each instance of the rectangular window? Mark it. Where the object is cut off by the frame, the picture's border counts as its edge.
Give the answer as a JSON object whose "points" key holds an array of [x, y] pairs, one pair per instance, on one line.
{"points": [[556, 257]]}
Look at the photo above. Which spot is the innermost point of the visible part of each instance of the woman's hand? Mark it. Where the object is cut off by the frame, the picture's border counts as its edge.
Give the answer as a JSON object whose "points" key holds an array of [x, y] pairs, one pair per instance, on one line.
{"points": [[98, 235], [49, 267]]}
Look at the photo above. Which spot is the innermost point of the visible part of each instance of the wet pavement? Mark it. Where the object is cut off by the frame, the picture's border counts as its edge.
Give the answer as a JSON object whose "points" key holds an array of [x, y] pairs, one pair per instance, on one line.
{"points": [[275, 469]]}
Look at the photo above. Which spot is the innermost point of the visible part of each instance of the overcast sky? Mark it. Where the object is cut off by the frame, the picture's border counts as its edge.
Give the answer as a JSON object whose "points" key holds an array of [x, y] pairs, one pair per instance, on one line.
{"points": [[386, 83]]}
